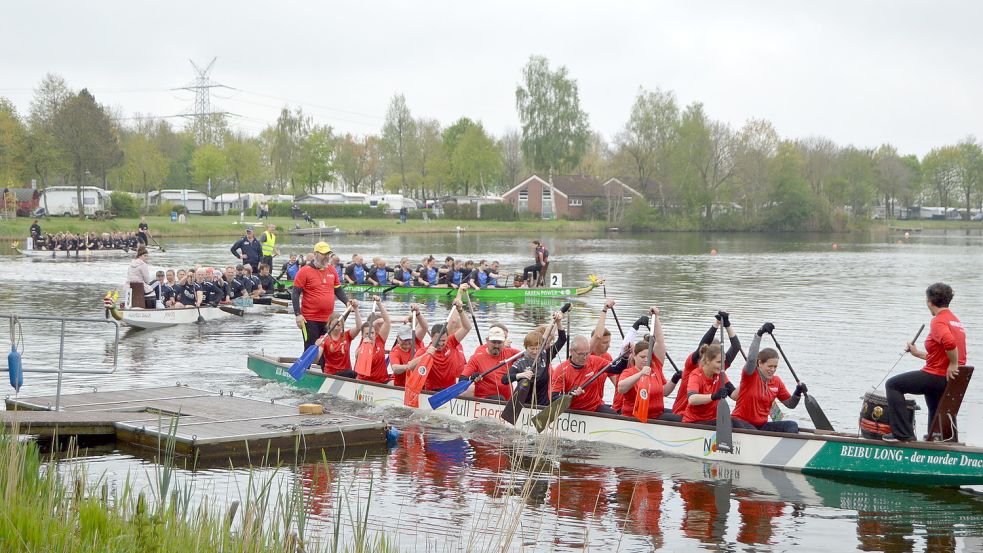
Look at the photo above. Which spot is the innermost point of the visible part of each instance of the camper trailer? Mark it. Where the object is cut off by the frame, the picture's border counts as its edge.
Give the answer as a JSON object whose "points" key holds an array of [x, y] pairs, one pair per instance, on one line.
{"points": [[63, 200]]}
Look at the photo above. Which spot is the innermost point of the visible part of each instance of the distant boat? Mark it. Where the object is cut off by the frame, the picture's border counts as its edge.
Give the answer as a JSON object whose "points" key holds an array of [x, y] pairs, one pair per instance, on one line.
{"points": [[316, 231]]}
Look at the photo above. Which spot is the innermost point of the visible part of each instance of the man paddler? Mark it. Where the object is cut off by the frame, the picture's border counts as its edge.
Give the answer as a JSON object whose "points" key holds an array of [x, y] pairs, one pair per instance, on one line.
{"points": [[571, 377], [315, 290], [268, 240]]}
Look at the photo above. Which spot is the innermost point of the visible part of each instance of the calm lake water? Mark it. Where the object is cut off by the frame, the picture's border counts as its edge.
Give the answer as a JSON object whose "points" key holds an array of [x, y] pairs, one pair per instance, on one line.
{"points": [[841, 314]]}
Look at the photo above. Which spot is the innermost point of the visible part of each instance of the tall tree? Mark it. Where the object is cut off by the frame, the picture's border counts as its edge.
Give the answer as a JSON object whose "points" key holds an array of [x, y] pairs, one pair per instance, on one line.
{"points": [[398, 135], [13, 139], [970, 171], [243, 162], [647, 137], [941, 171], [431, 164], [893, 177], [46, 159], [510, 146], [285, 140], [707, 147], [755, 147], [315, 160], [474, 161], [352, 161], [143, 165], [209, 167], [87, 138], [555, 131]]}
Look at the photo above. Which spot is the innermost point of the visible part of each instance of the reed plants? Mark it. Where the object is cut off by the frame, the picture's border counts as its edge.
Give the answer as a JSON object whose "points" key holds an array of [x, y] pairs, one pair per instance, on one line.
{"points": [[61, 511]]}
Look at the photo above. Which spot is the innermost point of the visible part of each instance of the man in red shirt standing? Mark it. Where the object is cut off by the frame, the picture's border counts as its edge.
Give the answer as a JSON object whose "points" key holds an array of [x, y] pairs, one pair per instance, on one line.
{"points": [[491, 386], [945, 351], [315, 289], [571, 375]]}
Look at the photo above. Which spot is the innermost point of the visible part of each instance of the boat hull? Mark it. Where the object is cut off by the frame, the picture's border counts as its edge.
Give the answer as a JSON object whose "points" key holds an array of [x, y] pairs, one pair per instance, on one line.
{"points": [[489, 294], [838, 456], [162, 318], [79, 254]]}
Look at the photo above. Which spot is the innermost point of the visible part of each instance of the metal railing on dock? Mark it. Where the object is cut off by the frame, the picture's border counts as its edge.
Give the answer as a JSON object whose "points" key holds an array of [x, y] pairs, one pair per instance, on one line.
{"points": [[60, 370]]}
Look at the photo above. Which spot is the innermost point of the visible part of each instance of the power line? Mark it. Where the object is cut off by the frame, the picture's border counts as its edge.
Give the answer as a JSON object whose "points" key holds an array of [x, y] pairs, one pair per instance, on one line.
{"points": [[202, 113]]}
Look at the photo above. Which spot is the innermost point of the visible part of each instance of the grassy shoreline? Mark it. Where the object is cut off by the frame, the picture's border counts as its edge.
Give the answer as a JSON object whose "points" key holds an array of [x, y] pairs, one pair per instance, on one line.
{"points": [[208, 226], [205, 226]]}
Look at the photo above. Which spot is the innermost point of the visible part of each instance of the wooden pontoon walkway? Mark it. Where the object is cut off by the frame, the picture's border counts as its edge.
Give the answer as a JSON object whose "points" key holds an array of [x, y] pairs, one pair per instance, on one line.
{"points": [[209, 425]]}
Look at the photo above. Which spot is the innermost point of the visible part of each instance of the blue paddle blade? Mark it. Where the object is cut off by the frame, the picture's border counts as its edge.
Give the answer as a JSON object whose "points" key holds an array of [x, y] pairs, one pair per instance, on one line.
{"points": [[440, 398], [301, 365]]}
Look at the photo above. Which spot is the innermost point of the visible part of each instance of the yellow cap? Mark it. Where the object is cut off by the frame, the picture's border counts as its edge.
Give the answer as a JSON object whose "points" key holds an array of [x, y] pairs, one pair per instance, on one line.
{"points": [[322, 247]]}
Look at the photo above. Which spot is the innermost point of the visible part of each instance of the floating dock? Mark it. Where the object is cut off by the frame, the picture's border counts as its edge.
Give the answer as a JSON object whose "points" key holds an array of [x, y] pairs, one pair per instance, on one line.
{"points": [[205, 425]]}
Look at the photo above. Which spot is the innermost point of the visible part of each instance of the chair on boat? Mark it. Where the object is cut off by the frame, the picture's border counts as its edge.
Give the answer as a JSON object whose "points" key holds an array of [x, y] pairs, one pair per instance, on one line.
{"points": [[943, 426], [542, 277]]}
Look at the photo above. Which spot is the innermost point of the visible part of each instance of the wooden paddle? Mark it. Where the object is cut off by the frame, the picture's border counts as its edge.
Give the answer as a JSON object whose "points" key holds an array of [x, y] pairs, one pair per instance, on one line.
{"points": [[418, 377], [474, 320], [816, 413], [440, 398], [156, 243], [641, 410], [514, 406], [560, 405], [903, 353], [231, 310], [725, 430]]}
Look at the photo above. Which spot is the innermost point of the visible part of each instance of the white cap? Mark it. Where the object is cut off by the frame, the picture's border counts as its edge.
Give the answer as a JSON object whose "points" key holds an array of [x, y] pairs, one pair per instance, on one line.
{"points": [[404, 332], [496, 334]]}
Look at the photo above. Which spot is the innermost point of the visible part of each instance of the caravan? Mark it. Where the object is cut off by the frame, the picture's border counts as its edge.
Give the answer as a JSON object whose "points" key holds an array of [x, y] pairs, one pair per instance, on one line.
{"points": [[63, 200]]}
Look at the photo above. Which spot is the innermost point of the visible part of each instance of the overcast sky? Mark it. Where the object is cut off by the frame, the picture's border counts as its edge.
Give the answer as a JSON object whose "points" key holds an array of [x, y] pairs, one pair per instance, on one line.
{"points": [[860, 73]]}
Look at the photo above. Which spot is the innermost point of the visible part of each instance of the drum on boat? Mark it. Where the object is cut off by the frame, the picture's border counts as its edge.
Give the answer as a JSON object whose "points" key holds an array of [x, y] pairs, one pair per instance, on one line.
{"points": [[875, 418]]}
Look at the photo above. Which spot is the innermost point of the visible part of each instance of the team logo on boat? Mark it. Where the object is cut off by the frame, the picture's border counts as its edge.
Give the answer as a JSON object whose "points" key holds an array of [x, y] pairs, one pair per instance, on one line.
{"points": [[710, 446]]}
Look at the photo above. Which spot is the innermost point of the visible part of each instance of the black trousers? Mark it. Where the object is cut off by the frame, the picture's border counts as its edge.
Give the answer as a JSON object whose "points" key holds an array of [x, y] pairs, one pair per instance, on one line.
{"points": [[312, 331], [531, 269], [915, 382]]}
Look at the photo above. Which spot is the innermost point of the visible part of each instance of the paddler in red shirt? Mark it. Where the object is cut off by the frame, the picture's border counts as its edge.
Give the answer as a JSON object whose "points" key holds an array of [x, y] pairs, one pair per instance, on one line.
{"points": [[945, 351], [376, 332], [408, 343], [336, 347], [693, 360], [447, 361], [315, 289], [572, 373], [707, 385], [760, 388], [491, 386], [630, 382]]}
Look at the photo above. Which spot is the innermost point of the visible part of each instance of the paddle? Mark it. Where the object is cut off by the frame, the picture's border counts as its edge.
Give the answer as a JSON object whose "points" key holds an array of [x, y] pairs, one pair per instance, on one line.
{"points": [[903, 353], [440, 398], [156, 243], [200, 318], [617, 322], [300, 366], [391, 288], [418, 377], [560, 405], [725, 430], [230, 310], [473, 319], [812, 406], [641, 410], [363, 358], [521, 394]]}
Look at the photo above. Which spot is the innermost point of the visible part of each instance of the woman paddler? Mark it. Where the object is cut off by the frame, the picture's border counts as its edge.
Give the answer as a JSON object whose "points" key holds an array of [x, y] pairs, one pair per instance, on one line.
{"points": [[760, 388], [693, 360], [335, 347], [630, 382], [375, 332], [706, 386]]}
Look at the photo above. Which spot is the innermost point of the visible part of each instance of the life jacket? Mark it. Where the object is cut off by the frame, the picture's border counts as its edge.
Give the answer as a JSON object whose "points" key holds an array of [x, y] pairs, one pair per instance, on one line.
{"points": [[270, 243]]}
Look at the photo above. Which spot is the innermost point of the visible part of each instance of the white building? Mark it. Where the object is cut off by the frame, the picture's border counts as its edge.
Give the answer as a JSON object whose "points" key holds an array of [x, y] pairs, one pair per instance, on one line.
{"points": [[393, 202], [192, 200], [63, 200], [333, 198]]}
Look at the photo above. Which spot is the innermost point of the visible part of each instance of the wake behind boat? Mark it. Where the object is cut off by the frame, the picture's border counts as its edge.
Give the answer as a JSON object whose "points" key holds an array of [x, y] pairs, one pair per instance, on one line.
{"points": [[811, 452]]}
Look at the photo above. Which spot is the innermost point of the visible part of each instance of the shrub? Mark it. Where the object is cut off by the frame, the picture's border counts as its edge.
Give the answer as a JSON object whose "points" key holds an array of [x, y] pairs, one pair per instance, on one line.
{"points": [[166, 208], [282, 209], [123, 204]]}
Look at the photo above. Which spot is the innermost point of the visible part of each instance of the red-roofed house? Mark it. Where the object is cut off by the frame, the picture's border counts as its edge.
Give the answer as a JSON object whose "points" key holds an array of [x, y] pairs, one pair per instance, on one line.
{"points": [[568, 196]]}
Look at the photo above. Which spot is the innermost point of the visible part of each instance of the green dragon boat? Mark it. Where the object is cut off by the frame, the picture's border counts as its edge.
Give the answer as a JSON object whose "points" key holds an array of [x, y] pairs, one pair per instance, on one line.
{"points": [[488, 294]]}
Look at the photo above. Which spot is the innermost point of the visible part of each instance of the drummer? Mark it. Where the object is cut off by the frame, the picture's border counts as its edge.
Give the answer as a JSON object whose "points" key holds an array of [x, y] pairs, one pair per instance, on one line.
{"points": [[945, 351]]}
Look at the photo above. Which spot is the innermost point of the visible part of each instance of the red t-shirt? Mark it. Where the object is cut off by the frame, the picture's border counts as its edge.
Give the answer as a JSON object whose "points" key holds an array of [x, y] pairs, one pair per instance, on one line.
{"points": [[446, 365], [317, 301], [379, 371], [656, 384], [682, 398], [399, 357], [756, 396], [336, 353], [491, 384], [702, 384], [566, 378], [945, 333]]}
